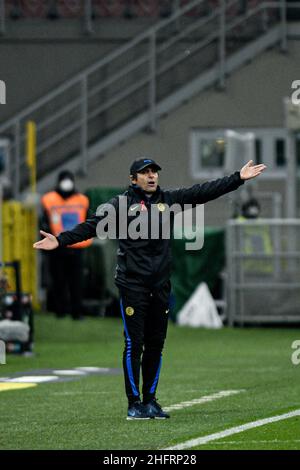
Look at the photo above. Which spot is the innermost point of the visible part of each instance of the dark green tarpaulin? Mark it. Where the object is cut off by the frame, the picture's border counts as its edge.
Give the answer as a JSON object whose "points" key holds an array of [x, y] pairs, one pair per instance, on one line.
{"points": [[100, 258], [189, 267], [99, 196], [192, 267]]}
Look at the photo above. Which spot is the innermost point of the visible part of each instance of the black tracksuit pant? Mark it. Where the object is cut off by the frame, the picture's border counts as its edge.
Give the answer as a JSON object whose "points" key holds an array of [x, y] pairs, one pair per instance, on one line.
{"points": [[145, 318]]}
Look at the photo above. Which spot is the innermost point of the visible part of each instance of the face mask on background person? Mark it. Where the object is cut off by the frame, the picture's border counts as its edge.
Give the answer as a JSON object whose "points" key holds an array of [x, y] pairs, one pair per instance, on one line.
{"points": [[66, 185]]}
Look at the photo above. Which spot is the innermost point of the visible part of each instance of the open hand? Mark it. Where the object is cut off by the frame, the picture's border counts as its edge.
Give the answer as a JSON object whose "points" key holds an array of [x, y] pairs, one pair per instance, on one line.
{"points": [[48, 243], [251, 171]]}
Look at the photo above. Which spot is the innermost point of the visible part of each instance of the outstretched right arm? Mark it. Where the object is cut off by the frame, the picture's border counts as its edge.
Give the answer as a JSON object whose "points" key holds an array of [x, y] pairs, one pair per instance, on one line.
{"points": [[81, 232]]}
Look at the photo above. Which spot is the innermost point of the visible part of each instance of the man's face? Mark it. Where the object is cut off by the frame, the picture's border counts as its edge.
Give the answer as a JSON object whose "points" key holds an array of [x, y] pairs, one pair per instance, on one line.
{"points": [[147, 179]]}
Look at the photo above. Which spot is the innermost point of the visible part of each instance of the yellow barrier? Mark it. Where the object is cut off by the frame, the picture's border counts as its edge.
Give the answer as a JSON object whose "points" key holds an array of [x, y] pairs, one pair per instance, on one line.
{"points": [[19, 234]]}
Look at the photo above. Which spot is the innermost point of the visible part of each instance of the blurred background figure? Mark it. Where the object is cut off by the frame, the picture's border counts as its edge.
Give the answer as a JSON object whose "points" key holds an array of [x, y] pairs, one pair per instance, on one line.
{"points": [[250, 209], [256, 240], [64, 208]]}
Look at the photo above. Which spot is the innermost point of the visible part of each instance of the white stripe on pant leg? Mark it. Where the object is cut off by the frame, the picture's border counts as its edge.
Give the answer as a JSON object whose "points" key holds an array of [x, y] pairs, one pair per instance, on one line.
{"points": [[229, 432]]}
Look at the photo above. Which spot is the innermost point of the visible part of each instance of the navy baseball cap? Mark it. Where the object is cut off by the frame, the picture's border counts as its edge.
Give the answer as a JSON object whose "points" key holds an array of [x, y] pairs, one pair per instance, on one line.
{"points": [[141, 163]]}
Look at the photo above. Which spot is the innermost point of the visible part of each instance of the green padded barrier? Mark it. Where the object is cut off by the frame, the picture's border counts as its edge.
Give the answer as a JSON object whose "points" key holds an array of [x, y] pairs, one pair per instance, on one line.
{"points": [[98, 196], [100, 258]]}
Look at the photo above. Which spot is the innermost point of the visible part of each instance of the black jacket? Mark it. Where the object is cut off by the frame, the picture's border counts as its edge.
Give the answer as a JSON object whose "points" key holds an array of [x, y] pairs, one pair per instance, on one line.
{"points": [[146, 263]]}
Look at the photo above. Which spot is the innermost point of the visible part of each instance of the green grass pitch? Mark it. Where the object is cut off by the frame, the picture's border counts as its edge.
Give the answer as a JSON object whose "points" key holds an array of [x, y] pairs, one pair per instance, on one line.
{"points": [[90, 413]]}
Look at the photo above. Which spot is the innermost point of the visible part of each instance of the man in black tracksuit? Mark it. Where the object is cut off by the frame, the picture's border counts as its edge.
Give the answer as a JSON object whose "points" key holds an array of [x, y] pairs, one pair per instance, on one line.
{"points": [[143, 269]]}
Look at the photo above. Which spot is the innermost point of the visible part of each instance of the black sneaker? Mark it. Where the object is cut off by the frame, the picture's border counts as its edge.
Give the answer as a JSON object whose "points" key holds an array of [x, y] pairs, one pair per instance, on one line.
{"points": [[154, 410], [137, 411]]}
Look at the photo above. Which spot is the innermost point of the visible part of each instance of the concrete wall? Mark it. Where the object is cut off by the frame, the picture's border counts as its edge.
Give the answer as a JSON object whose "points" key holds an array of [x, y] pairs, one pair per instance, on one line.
{"points": [[253, 98], [38, 55]]}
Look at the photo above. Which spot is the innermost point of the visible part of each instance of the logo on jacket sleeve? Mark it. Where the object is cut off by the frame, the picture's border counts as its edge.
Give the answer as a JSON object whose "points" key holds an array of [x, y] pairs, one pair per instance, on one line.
{"points": [[129, 311]]}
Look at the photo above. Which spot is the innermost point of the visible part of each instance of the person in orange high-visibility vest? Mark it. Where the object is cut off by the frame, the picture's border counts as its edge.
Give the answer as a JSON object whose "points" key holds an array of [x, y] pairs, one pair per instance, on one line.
{"points": [[63, 209]]}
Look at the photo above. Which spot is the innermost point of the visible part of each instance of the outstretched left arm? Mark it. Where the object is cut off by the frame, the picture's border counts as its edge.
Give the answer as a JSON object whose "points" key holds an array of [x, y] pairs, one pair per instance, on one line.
{"points": [[201, 193]]}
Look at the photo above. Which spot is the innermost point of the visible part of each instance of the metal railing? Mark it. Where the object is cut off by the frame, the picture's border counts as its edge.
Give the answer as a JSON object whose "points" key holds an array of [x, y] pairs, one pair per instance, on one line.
{"points": [[263, 271], [132, 80]]}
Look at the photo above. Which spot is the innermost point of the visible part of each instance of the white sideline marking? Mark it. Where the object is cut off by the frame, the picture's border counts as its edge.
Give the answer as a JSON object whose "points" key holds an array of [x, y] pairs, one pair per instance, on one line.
{"points": [[85, 393], [33, 379], [273, 441], [229, 432], [205, 399], [69, 372]]}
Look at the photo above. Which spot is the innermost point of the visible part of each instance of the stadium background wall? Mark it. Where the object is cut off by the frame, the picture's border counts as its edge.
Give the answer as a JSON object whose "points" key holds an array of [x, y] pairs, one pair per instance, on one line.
{"points": [[54, 53]]}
